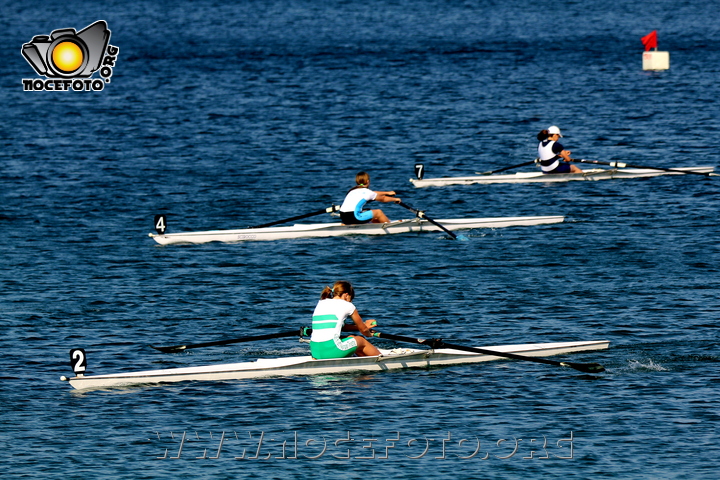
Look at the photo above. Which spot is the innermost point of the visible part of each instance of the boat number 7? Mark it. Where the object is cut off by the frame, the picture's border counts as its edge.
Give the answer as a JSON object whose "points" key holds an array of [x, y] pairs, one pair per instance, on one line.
{"points": [[78, 360], [419, 170], [160, 224]]}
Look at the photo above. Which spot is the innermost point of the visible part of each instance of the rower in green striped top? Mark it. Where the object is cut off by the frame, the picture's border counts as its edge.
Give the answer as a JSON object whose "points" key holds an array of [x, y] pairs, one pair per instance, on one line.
{"points": [[328, 321]]}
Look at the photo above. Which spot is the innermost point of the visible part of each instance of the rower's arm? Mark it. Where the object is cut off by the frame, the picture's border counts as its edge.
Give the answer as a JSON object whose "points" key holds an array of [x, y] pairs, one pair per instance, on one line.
{"points": [[360, 325], [387, 197]]}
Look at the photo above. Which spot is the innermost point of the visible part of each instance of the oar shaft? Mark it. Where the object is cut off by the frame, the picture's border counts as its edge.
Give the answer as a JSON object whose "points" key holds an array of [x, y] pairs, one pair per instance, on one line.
{"points": [[179, 348], [500, 354], [439, 343], [299, 217], [421, 214], [509, 168], [627, 165]]}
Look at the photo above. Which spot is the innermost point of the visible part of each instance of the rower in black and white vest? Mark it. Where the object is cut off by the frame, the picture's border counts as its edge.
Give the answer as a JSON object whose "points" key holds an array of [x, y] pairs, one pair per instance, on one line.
{"points": [[553, 157]]}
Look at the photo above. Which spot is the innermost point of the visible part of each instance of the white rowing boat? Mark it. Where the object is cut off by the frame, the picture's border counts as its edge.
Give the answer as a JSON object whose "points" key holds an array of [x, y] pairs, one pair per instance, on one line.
{"points": [[539, 177], [338, 229], [401, 358]]}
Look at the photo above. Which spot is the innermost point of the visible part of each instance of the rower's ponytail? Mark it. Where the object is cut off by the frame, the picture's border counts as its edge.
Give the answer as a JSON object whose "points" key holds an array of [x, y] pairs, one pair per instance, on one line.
{"points": [[362, 180], [338, 289], [543, 135]]}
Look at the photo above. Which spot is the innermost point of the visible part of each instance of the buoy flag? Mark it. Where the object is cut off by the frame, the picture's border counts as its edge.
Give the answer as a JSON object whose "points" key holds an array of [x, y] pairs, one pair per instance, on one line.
{"points": [[650, 40]]}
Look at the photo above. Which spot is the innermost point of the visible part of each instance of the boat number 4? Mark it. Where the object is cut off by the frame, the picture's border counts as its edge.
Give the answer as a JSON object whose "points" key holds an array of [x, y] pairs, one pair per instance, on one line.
{"points": [[78, 360], [160, 224]]}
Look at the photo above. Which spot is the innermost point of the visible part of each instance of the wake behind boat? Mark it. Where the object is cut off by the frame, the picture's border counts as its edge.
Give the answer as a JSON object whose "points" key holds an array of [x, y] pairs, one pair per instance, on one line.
{"points": [[400, 358], [337, 229], [539, 177]]}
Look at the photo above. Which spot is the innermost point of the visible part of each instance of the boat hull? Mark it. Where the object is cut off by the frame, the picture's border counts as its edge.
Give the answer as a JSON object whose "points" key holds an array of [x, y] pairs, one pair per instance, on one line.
{"points": [[338, 229], [539, 177], [388, 360]]}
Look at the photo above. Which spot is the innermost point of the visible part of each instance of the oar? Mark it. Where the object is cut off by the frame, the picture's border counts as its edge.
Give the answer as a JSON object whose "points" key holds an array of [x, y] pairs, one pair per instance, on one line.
{"points": [[508, 168], [334, 208], [180, 348], [421, 214], [438, 343], [624, 165]]}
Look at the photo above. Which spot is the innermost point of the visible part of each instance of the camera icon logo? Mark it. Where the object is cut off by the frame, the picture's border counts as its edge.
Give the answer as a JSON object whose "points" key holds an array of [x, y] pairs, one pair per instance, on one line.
{"points": [[66, 53]]}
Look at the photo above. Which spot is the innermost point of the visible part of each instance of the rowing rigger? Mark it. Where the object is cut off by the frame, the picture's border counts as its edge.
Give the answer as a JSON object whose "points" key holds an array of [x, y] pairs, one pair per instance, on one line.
{"points": [[394, 359], [416, 224]]}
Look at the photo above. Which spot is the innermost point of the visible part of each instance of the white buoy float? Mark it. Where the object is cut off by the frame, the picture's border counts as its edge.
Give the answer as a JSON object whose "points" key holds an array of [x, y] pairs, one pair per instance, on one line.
{"points": [[652, 59]]}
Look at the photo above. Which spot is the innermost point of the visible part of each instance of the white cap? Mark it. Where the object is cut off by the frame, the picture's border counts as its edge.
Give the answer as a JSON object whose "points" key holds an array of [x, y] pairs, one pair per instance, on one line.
{"points": [[553, 130]]}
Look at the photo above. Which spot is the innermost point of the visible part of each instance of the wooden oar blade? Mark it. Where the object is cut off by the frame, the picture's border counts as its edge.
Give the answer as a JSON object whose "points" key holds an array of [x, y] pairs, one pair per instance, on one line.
{"points": [[584, 367], [172, 349]]}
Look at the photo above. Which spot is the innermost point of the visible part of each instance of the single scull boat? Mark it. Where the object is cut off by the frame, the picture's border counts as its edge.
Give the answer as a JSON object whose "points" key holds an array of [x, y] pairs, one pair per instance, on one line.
{"points": [[338, 229], [400, 358], [539, 177]]}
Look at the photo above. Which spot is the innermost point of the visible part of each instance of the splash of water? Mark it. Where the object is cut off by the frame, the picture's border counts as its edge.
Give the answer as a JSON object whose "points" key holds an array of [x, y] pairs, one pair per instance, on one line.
{"points": [[646, 365]]}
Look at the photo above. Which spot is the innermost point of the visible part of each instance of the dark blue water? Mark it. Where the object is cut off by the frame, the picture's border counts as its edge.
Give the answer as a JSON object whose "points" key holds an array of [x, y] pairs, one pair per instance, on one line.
{"points": [[224, 115]]}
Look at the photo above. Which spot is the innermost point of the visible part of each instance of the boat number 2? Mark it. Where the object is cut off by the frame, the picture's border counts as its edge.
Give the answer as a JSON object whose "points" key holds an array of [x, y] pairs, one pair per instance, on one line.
{"points": [[78, 360], [160, 224]]}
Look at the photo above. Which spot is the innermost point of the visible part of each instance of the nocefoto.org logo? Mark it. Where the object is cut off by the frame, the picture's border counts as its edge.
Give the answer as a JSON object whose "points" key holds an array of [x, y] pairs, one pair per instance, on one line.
{"points": [[68, 59]]}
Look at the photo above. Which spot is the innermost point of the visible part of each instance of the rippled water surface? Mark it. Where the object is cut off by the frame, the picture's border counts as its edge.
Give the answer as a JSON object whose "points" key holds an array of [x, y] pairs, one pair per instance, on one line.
{"points": [[229, 114]]}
